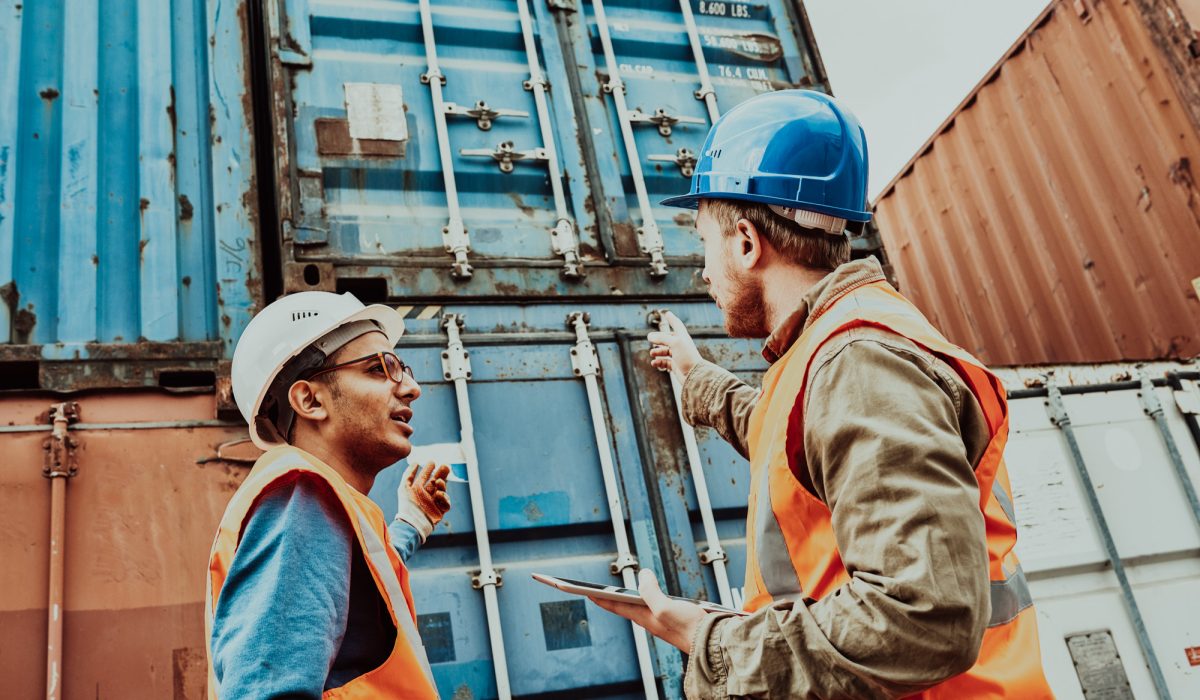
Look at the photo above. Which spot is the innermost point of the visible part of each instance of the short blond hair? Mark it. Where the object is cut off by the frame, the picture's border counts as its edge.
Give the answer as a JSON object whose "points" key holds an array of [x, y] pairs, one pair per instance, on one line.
{"points": [[798, 244]]}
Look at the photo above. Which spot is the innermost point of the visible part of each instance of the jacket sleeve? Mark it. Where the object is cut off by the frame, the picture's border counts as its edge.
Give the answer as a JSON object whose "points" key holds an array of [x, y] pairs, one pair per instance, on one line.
{"points": [[282, 613], [884, 451], [405, 539], [715, 398]]}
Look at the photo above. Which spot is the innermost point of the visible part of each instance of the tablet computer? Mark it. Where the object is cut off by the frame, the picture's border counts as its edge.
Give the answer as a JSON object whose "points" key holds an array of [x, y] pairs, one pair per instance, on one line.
{"points": [[621, 595]]}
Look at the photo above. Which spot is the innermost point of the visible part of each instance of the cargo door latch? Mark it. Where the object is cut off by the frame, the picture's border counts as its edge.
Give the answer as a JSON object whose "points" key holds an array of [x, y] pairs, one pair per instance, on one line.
{"points": [[482, 113], [661, 118], [685, 158], [505, 155]]}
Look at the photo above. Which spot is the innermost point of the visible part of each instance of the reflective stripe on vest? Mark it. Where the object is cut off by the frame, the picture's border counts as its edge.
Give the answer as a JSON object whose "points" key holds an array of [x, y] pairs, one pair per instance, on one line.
{"points": [[406, 672], [791, 547]]}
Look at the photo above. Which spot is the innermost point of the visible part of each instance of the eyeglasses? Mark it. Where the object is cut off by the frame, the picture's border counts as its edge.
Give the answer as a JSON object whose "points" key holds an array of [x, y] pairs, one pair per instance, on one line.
{"points": [[387, 362]]}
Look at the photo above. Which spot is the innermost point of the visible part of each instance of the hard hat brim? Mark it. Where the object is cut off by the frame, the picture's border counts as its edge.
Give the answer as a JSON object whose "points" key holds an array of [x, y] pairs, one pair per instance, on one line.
{"points": [[390, 322], [692, 201]]}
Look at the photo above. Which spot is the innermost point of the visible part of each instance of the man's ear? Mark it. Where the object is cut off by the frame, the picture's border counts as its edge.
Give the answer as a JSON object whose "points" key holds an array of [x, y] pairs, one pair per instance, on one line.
{"points": [[749, 244], [308, 400]]}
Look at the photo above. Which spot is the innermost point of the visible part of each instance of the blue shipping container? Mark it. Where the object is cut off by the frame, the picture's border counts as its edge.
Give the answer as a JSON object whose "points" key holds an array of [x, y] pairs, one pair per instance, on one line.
{"points": [[544, 501], [128, 212], [518, 147]]}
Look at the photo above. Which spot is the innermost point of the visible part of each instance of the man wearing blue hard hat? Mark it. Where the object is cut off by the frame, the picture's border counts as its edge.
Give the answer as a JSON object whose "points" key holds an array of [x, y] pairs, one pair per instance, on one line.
{"points": [[880, 524]]}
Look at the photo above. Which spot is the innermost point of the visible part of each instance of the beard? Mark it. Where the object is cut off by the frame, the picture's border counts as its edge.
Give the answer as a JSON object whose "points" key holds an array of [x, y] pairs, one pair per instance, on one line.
{"points": [[746, 311]]}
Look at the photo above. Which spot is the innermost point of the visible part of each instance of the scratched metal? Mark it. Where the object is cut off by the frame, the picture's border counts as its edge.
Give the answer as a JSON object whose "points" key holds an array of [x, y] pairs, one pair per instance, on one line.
{"points": [[1052, 219], [127, 190], [359, 208], [544, 498]]}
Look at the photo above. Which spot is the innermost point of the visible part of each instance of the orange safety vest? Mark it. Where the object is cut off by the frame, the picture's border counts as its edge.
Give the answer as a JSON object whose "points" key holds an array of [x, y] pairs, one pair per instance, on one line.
{"points": [[791, 549], [406, 672]]}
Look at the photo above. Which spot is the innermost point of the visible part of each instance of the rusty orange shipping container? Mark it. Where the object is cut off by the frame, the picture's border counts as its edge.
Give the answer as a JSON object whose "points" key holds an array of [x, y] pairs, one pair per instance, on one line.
{"points": [[140, 513], [1054, 217]]}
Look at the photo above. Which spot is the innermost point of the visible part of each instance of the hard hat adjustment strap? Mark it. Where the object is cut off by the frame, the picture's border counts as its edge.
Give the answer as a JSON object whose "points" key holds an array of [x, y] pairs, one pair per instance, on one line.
{"points": [[811, 219]]}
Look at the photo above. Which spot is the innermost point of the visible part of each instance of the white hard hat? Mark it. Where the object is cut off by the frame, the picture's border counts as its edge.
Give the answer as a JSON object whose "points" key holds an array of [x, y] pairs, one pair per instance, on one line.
{"points": [[283, 330]]}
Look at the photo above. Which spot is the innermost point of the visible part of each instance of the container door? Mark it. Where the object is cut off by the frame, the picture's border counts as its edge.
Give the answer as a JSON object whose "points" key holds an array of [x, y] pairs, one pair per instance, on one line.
{"points": [[430, 135], [679, 65], [544, 501]]}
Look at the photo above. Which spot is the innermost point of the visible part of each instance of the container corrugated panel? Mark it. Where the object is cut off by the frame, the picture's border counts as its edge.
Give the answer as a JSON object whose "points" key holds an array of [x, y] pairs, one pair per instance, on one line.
{"points": [[544, 497], [1053, 218], [1127, 459], [140, 517], [127, 194], [367, 205]]}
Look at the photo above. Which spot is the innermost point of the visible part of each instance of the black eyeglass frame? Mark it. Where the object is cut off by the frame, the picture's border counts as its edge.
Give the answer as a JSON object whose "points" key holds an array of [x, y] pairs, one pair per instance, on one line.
{"points": [[404, 369]]}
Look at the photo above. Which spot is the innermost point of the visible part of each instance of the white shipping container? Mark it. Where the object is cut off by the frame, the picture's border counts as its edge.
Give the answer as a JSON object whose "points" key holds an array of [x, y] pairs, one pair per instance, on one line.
{"points": [[1088, 642]]}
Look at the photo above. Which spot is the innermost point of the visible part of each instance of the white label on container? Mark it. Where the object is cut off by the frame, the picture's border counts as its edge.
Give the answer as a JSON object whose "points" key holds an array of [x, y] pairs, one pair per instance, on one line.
{"points": [[376, 111], [450, 453]]}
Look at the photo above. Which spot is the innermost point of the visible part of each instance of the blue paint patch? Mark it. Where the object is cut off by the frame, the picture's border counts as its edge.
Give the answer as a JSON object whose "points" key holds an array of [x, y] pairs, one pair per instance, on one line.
{"points": [[468, 679], [537, 510], [438, 636], [565, 625]]}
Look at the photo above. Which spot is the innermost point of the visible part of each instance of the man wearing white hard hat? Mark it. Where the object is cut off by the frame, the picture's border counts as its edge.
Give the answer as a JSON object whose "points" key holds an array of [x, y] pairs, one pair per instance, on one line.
{"points": [[307, 592]]}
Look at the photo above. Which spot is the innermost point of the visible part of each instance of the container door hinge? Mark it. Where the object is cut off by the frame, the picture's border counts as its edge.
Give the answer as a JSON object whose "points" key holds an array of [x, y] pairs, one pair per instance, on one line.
{"points": [[456, 361], [625, 561], [584, 360], [60, 458], [566, 244], [493, 578], [458, 244], [650, 243], [562, 5]]}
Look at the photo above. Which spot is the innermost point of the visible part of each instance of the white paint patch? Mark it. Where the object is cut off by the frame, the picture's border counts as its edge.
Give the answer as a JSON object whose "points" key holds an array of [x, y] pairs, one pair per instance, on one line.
{"points": [[442, 453]]}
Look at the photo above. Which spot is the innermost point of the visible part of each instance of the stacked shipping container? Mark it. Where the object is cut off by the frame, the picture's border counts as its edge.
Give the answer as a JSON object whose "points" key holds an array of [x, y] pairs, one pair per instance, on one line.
{"points": [[492, 168]]}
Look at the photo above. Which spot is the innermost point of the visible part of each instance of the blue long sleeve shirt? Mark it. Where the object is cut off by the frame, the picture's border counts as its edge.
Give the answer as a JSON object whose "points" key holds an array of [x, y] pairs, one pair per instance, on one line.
{"points": [[299, 612]]}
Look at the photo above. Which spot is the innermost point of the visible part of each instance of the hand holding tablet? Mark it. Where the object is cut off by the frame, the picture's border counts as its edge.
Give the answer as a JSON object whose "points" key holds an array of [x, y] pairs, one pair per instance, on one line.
{"points": [[618, 594]]}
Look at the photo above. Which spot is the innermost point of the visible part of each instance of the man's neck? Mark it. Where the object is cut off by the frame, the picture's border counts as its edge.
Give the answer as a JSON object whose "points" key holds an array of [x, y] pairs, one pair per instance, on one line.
{"points": [[783, 287], [320, 449]]}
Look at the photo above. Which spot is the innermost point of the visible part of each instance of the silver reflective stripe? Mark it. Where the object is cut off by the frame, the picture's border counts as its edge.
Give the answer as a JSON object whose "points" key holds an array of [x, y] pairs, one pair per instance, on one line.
{"points": [[1009, 598], [774, 562], [377, 554], [1005, 502]]}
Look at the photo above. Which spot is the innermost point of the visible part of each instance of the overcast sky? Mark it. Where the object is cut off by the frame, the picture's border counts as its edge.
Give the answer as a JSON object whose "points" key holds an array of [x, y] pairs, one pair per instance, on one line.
{"points": [[904, 65]]}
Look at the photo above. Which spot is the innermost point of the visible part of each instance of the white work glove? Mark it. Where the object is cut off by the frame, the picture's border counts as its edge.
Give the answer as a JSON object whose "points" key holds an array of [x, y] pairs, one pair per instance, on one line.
{"points": [[422, 499]]}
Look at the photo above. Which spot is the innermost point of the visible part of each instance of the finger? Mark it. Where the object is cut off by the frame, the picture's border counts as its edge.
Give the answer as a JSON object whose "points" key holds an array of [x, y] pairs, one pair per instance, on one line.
{"points": [[437, 485], [651, 592], [660, 351], [442, 471], [639, 614], [442, 501], [423, 476], [675, 324], [410, 474]]}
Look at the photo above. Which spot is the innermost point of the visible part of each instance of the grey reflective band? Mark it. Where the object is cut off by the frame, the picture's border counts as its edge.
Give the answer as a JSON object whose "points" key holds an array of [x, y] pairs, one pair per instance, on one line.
{"points": [[1009, 598], [774, 563], [811, 219], [377, 554], [1005, 502]]}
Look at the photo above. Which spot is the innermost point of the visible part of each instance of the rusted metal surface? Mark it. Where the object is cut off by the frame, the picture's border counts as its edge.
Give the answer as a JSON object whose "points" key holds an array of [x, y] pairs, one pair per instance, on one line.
{"points": [[128, 199], [1054, 217], [139, 522]]}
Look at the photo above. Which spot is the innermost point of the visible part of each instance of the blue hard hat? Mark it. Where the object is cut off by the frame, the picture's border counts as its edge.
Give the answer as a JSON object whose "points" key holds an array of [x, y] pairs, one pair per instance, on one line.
{"points": [[793, 148]]}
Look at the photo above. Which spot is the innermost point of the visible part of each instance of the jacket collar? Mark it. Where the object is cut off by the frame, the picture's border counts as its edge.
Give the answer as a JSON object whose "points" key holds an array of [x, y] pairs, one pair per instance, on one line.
{"points": [[817, 300]]}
